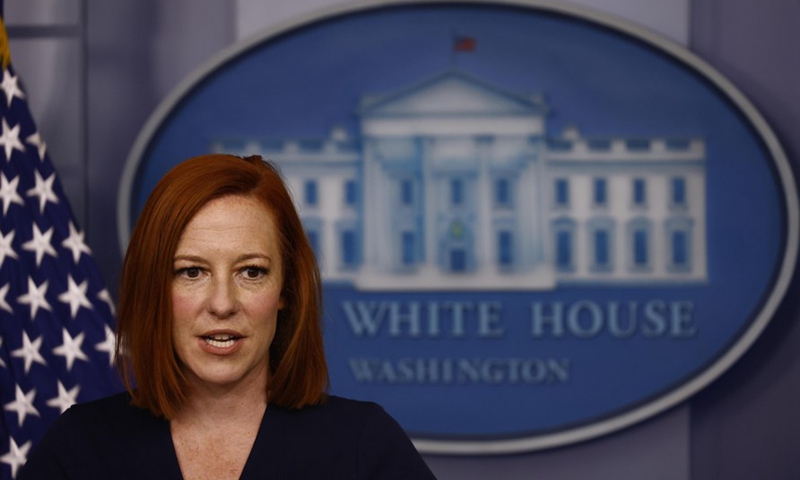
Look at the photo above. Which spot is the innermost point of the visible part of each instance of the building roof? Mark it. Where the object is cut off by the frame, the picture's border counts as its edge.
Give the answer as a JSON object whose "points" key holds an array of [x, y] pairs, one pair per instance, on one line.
{"points": [[451, 93]]}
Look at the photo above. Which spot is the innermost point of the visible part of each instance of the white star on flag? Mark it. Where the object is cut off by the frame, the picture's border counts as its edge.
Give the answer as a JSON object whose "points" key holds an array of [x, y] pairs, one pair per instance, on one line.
{"points": [[71, 349], [9, 139], [107, 345], [3, 304], [106, 297], [2, 363], [36, 141], [40, 243], [44, 190], [23, 405], [10, 86], [75, 243], [75, 296], [35, 297], [8, 192], [29, 351], [16, 456], [65, 399], [6, 247]]}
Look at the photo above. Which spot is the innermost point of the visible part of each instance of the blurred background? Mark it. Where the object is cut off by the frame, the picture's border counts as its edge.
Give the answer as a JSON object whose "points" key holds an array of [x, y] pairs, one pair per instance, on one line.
{"points": [[95, 70]]}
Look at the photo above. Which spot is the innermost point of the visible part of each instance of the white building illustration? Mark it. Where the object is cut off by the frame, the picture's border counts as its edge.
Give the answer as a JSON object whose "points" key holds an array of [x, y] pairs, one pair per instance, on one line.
{"points": [[454, 183]]}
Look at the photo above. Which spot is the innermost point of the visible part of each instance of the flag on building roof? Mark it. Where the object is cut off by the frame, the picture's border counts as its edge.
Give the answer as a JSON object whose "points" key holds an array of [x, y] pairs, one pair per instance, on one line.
{"points": [[56, 316], [464, 44]]}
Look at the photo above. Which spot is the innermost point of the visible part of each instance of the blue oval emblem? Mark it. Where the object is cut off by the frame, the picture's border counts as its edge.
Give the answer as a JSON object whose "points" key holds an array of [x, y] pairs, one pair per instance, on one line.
{"points": [[535, 225]]}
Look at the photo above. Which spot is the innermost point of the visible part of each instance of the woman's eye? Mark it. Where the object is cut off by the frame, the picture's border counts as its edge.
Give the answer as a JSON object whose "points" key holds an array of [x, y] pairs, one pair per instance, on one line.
{"points": [[189, 272], [254, 272]]}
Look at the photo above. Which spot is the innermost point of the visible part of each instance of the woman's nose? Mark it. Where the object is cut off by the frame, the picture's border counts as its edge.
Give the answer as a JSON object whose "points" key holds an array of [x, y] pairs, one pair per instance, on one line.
{"points": [[222, 301]]}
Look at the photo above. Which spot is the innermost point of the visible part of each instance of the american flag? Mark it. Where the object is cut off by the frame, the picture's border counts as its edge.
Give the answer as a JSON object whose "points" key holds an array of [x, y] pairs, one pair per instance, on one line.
{"points": [[464, 44], [56, 316]]}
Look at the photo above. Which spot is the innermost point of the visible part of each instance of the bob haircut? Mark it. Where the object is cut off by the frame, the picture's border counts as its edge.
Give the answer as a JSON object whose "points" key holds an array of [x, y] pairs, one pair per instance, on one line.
{"points": [[144, 350]]}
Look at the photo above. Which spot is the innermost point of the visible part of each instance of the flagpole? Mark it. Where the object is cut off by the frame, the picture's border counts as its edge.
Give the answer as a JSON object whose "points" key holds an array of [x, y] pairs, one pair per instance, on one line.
{"points": [[84, 111], [453, 53]]}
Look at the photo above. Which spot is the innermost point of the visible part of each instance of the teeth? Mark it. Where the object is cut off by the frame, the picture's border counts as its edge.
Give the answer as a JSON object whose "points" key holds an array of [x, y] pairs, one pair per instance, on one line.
{"points": [[220, 340]]}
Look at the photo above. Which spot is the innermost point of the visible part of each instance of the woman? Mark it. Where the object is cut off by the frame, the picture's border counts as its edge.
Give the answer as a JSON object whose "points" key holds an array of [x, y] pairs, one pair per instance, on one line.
{"points": [[220, 347]]}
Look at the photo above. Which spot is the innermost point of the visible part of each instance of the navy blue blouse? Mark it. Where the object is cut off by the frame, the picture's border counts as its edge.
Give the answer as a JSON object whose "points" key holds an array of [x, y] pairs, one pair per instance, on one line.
{"points": [[342, 439]]}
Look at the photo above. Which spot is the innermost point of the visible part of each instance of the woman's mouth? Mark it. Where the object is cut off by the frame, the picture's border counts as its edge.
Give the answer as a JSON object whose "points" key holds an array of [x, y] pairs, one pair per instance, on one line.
{"points": [[220, 341]]}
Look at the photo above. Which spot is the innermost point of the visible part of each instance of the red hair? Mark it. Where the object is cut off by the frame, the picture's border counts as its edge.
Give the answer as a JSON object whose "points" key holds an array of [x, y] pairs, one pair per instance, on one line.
{"points": [[145, 354]]}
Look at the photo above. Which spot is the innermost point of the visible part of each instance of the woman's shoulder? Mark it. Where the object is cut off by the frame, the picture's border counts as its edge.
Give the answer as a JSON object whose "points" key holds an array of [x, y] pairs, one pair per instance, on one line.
{"points": [[345, 438], [112, 404], [109, 418], [336, 410], [342, 405], [105, 438], [106, 412], [336, 419]]}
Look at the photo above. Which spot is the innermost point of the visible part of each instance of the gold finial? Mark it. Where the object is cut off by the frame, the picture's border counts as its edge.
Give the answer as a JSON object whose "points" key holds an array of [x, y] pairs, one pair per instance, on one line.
{"points": [[5, 52]]}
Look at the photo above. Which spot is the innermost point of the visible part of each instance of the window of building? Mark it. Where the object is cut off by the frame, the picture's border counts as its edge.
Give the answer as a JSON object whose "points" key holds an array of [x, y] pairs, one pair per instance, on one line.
{"points": [[564, 239], [502, 192], [601, 247], [406, 192], [407, 256], [350, 193], [600, 192], [313, 229], [639, 249], [562, 192], [639, 244], [564, 250], [641, 252], [639, 192], [678, 192], [679, 244], [310, 193], [680, 249], [456, 191], [505, 248], [313, 240], [458, 260], [456, 252], [349, 248]]}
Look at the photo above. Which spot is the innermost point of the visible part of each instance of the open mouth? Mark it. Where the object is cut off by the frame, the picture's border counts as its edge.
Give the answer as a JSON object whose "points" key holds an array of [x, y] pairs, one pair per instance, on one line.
{"points": [[220, 341]]}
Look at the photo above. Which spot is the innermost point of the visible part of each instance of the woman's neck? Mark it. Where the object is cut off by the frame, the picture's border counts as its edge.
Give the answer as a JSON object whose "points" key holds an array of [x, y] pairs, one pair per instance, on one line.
{"points": [[214, 403], [213, 433]]}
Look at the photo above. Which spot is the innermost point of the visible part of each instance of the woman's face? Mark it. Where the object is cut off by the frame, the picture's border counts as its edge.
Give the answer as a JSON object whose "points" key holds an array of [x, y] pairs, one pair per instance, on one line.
{"points": [[226, 293]]}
